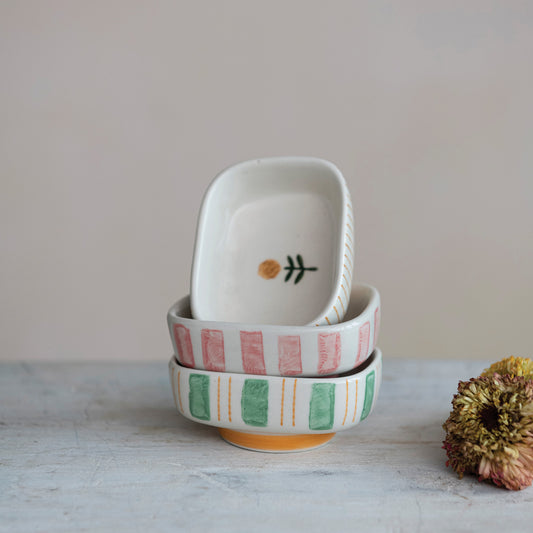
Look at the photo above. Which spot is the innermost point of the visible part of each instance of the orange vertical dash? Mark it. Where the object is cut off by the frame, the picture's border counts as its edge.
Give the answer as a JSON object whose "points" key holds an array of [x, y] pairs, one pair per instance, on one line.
{"points": [[282, 400], [349, 206], [355, 408], [345, 279], [294, 404], [350, 217], [349, 260], [327, 320], [351, 230], [348, 235], [342, 305], [179, 390], [229, 399], [218, 398], [348, 246], [337, 313], [346, 408], [345, 293]]}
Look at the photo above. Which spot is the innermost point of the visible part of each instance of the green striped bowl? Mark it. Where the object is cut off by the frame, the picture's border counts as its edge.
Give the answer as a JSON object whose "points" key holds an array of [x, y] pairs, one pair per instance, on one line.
{"points": [[277, 405]]}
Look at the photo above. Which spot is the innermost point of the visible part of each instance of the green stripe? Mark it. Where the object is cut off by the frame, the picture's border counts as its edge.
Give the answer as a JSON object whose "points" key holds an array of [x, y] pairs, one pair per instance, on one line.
{"points": [[199, 396], [369, 394], [254, 402], [322, 406]]}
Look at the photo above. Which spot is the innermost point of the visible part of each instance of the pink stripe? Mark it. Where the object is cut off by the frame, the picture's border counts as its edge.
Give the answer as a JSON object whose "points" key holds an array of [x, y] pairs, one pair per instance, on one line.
{"points": [[364, 341], [253, 361], [184, 345], [329, 352], [290, 355], [377, 318], [213, 350]]}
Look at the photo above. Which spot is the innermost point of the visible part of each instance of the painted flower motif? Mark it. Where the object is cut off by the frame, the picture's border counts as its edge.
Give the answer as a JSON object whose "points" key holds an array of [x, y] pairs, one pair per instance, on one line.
{"points": [[511, 366], [489, 432]]}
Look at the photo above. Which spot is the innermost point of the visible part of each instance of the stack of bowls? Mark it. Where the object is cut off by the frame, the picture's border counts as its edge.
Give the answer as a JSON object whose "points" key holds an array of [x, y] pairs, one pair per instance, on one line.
{"points": [[277, 357]]}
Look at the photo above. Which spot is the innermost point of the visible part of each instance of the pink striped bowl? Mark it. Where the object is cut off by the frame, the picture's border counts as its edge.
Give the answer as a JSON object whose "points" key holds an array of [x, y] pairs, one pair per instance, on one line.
{"points": [[278, 350]]}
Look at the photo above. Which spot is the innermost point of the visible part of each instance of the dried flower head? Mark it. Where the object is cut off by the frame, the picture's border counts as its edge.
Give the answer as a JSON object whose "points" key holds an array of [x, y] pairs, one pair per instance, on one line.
{"points": [[511, 366], [490, 430]]}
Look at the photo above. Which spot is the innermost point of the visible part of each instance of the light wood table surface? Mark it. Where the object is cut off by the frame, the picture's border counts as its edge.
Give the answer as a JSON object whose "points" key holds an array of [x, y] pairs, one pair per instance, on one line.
{"points": [[100, 447]]}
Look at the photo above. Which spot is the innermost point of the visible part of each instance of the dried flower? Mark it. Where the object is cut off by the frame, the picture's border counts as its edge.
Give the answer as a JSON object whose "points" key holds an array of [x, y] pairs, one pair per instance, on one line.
{"points": [[512, 366], [490, 430]]}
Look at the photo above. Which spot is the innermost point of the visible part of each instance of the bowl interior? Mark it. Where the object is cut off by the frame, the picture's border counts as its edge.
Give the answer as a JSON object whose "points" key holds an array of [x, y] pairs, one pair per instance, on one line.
{"points": [[361, 296], [270, 243]]}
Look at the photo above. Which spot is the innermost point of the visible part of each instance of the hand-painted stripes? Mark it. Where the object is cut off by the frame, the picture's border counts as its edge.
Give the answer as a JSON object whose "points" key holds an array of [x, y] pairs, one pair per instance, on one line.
{"points": [[322, 406], [369, 394], [377, 317], [283, 399], [342, 305], [355, 406], [213, 350], [229, 399], [182, 336], [346, 407], [253, 361], [199, 402], [294, 403], [347, 273], [255, 405], [205, 348], [179, 389], [218, 399], [349, 261], [329, 352], [254, 402], [172, 377], [364, 341], [345, 293], [289, 355]]}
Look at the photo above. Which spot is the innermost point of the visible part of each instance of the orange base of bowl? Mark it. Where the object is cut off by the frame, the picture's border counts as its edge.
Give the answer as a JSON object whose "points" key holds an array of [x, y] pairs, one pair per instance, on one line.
{"points": [[274, 443]]}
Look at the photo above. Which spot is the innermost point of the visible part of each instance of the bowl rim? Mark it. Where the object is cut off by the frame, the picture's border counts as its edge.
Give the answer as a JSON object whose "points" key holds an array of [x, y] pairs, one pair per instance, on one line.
{"points": [[371, 363], [292, 160], [374, 301]]}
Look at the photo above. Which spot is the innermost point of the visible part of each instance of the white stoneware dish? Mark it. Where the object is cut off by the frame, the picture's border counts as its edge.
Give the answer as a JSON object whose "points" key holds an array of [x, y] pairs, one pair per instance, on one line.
{"points": [[270, 413], [278, 350], [274, 244]]}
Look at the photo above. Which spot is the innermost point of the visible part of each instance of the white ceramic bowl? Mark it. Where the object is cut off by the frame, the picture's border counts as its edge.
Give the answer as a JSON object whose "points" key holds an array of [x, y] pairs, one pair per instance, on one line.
{"points": [[260, 412], [278, 350], [274, 244]]}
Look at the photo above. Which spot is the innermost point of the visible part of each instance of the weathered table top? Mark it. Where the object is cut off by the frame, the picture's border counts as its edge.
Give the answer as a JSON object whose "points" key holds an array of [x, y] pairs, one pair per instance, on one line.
{"points": [[100, 447]]}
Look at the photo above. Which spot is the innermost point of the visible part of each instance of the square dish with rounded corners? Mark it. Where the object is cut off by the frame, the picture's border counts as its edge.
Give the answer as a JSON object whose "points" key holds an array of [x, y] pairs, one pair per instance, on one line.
{"points": [[245, 407], [278, 350], [274, 244]]}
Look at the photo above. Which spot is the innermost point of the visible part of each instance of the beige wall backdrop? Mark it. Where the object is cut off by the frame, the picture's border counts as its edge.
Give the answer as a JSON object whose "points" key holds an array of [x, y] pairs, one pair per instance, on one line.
{"points": [[115, 116]]}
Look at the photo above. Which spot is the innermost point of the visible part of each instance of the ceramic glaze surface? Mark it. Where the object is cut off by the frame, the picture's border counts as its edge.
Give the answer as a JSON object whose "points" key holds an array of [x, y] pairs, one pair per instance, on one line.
{"points": [[274, 244], [278, 350], [288, 223], [275, 443], [276, 405]]}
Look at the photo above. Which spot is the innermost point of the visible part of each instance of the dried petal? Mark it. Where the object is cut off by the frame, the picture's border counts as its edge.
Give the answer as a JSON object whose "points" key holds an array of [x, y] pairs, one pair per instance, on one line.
{"points": [[512, 366]]}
